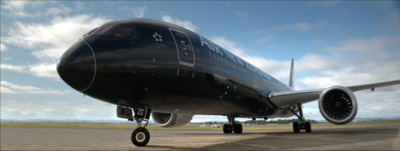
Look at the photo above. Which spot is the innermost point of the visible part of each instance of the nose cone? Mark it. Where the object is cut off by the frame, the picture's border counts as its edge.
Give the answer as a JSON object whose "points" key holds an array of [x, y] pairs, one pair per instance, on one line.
{"points": [[77, 67]]}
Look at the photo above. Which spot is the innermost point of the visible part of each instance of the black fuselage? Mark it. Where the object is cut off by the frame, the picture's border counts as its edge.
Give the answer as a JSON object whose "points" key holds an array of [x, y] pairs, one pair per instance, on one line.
{"points": [[171, 69]]}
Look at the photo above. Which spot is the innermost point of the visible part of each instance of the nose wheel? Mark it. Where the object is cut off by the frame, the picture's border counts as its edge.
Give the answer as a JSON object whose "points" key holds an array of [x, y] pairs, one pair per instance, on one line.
{"points": [[140, 136]]}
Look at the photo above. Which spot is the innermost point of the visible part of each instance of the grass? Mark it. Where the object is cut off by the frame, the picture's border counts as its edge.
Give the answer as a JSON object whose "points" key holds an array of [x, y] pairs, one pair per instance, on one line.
{"points": [[190, 126]]}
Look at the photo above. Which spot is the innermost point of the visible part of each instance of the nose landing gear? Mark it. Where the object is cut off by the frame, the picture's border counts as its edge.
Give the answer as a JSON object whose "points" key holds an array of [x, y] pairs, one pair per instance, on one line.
{"points": [[140, 136]]}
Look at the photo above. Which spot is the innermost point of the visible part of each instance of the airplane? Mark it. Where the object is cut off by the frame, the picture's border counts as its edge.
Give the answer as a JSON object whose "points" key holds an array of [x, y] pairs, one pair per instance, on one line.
{"points": [[149, 67]]}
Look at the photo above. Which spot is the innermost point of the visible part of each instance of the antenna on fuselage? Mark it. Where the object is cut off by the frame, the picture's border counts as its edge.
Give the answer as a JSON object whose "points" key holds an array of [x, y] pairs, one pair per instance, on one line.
{"points": [[291, 76]]}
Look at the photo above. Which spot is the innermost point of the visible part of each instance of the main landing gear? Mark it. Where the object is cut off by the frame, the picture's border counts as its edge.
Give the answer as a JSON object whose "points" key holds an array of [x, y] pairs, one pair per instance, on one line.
{"points": [[232, 127], [301, 124], [140, 136]]}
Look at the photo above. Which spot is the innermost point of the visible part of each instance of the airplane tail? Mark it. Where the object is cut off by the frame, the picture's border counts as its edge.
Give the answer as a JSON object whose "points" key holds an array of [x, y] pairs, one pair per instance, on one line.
{"points": [[291, 76]]}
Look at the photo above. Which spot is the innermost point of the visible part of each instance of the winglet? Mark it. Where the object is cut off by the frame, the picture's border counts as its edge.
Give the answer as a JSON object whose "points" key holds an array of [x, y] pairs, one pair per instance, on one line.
{"points": [[291, 76]]}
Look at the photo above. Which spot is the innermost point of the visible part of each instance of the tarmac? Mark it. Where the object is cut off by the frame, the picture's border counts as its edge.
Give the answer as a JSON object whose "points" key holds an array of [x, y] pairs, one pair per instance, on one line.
{"points": [[348, 138]]}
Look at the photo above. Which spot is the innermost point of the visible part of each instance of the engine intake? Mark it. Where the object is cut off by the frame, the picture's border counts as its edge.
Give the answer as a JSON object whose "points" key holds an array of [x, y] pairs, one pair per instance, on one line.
{"points": [[338, 105], [171, 119]]}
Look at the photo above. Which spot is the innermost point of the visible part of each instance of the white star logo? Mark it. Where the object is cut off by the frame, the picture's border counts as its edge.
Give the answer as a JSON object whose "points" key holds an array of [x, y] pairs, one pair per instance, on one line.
{"points": [[157, 37]]}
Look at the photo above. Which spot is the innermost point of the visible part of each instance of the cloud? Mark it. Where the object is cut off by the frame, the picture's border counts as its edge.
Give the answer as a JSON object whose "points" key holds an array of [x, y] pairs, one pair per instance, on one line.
{"points": [[3, 47], [241, 14], [301, 26], [353, 61], [138, 12], [32, 9], [53, 38], [313, 62], [48, 41], [364, 45], [57, 109], [11, 88], [265, 40], [15, 68], [44, 70], [324, 3], [16, 8], [278, 69], [185, 24]]}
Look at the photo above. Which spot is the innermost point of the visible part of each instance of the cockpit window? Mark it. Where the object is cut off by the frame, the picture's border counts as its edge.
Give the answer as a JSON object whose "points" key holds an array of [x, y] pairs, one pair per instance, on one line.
{"points": [[123, 32], [90, 32], [104, 30]]}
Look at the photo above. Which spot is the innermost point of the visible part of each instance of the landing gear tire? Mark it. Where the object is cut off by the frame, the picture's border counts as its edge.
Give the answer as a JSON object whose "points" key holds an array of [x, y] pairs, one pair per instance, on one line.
{"points": [[237, 128], [140, 137], [308, 127], [227, 128], [296, 127]]}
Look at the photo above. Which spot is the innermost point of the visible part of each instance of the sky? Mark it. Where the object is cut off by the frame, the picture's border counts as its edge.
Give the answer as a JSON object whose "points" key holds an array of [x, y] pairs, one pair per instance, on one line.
{"points": [[332, 43]]}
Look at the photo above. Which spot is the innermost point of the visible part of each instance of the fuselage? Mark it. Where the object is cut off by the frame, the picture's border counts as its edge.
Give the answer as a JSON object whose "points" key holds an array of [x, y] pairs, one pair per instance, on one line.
{"points": [[169, 68]]}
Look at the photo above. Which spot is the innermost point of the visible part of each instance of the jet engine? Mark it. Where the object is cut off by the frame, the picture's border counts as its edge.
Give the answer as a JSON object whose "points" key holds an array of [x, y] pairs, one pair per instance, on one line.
{"points": [[338, 105], [171, 119]]}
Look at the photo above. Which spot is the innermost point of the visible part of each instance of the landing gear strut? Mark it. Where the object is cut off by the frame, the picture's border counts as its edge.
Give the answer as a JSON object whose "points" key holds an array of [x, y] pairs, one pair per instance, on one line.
{"points": [[232, 127], [301, 124], [141, 136]]}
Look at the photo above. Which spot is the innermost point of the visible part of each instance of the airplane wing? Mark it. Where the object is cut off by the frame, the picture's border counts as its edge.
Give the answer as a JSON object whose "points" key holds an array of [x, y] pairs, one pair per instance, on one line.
{"points": [[284, 99]]}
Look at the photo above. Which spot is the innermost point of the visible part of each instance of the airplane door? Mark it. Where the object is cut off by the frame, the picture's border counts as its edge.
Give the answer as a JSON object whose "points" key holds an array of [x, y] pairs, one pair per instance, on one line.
{"points": [[184, 48]]}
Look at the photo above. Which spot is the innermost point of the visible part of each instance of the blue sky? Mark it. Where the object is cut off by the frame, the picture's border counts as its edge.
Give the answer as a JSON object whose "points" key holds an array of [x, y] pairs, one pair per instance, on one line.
{"points": [[332, 42]]}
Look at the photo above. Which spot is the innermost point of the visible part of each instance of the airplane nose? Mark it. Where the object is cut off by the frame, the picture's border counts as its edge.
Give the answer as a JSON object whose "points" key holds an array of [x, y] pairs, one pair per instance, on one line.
{"points": [[77, 67]]}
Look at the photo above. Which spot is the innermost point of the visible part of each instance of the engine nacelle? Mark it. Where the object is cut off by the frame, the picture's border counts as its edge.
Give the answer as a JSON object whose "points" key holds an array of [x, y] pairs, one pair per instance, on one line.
{"points": [[171, 119], [338, 105]]}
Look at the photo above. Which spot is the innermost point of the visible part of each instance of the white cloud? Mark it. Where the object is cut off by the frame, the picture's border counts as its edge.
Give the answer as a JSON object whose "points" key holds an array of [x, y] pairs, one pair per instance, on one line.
{"points": [[312, 62], [11, 88], [58, 109], [265, 40], [16, 8], [60, 10], [45, 70], [375, 44], [49, 41], [301, 26], [185, 24], [15, 68], [241, 14], [352, 62], [53, 38], [278, 69], [32, 9], [138, 12], [3, 47]]}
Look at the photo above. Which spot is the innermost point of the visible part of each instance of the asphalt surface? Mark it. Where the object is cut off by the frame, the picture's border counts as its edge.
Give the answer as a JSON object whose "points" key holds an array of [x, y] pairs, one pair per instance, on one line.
{"points": [[351, 138]]}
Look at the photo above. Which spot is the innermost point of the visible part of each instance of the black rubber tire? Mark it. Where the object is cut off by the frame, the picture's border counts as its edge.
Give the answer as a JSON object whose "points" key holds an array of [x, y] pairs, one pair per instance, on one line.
{"points": [[296, 127], [308, 127], [227, 128], [237, 128], [140, 136]]}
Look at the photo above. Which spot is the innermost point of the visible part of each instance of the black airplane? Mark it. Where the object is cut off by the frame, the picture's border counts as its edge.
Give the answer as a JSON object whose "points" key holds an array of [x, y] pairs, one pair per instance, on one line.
{"points": [[172, 73]]}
